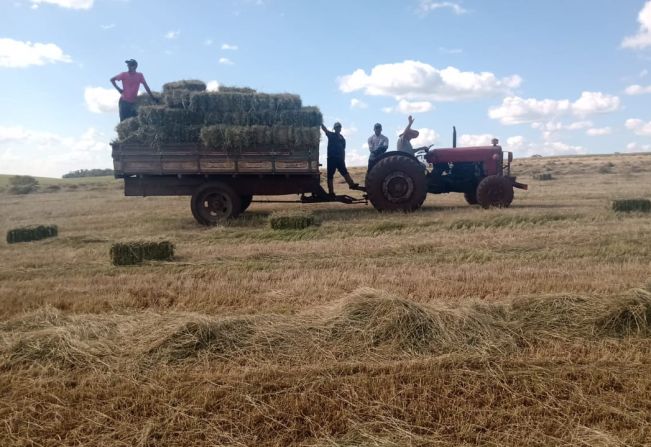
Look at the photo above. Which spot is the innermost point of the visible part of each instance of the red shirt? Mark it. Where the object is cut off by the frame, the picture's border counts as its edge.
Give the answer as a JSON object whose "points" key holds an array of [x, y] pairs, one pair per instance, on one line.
{"points": [[130, 84]]}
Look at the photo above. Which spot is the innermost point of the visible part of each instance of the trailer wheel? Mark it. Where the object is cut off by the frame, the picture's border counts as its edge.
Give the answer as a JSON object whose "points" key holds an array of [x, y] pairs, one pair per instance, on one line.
{"points": [[245, 201], [214, 203], [397, 183], [495, 191]]}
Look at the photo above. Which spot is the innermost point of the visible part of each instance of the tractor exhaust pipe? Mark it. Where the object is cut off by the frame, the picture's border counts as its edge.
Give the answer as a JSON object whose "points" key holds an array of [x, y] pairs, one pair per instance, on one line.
{"points": [[454, 136]]}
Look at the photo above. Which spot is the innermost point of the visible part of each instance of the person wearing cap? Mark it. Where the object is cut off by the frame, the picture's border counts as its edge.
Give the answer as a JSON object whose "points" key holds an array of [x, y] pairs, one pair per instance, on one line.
{"points": [[131, 81], [337, 157], [404, 139], [377, 145]]}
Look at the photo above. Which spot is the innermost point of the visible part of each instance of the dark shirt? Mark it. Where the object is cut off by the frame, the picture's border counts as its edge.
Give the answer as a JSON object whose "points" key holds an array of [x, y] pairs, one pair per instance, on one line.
{"points": [[336, 145]]}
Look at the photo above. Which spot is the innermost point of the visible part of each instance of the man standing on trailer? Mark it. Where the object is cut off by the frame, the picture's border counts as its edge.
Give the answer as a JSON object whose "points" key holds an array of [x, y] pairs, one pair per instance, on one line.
{"points": [[131, 81], [377, 145], [337, 158]]}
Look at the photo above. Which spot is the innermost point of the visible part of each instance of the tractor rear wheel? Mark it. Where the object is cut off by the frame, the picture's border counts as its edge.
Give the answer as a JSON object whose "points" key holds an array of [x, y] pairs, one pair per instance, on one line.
{"points": [[496, 191], [397, 183], [245, 201], [214, 203]]}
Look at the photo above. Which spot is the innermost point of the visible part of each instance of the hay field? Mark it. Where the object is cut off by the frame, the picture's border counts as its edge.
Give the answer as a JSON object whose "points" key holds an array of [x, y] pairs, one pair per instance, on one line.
{"points": [[450, 326]]}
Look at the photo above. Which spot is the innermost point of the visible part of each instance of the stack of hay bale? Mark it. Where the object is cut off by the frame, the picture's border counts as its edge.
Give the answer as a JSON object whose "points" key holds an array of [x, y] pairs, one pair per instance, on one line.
{"points": [[31, 233], [232, 119]]}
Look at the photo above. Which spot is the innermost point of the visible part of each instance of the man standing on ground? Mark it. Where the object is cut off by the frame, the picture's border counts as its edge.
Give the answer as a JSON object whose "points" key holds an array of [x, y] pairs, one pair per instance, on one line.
{"points": [[404, 139], [337, 157], [377, 145], [131, 81]]}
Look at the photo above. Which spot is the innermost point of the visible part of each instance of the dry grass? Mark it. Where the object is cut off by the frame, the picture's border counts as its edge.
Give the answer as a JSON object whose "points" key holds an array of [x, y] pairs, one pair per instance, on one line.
{"points": [[451, 326]]}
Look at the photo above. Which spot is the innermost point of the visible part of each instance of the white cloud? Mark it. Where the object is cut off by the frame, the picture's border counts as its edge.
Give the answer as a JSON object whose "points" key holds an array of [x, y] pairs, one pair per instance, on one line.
{"points": [[101, 100], [467, 140], [414, 80], [357, 104], [172, 34], [643, 38], [427, 6], [33, 152], [408, 107], [638, 126], [521, 147], [107, 27], [212, 86], [208, 42], [516, 110], [225, 61], [599, 131], [636, 147], [70, 4], [637, 89], [387, 109], [226, 46], [18, 54], [578, 125], [425, 137]]}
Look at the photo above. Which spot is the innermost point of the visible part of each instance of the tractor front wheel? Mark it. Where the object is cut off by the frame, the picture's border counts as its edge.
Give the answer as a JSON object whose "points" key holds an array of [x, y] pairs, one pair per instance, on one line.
{"points": [[397, 183], [495, 191], [471, 197], [214, 203]]}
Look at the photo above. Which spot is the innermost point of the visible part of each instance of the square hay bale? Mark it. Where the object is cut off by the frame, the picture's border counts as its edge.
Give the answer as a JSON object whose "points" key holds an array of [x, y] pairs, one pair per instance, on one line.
{"points": [[31, 233], [127, 128], [297, 220], [192, 85], [131, 253], [543, 176], [632, 205], [231, 89], [178, 99], [145, 99], [305, 117], [161, 116]]}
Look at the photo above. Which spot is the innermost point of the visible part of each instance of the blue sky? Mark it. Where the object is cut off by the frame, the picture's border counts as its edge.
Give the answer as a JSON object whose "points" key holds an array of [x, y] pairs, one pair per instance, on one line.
{"points": [[545, 77]]}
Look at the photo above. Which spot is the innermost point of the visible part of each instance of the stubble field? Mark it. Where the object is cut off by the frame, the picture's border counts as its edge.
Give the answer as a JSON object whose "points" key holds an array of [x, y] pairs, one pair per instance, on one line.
{"points": [[450, 326]]}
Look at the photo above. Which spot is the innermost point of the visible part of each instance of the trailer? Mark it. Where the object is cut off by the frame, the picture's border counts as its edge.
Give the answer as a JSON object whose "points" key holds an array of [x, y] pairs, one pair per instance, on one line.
{"points": [[221, 185]]}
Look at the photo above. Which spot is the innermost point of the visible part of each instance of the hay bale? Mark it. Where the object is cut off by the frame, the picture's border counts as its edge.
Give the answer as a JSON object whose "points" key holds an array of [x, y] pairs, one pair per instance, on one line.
{"points": [[130, 253], [305, 117], [31, 233], [632, 205], [179, 99], [291, 220], [127, 128], [543, 176], [231, 89], [161, 116], [192, 85], [145, 99], [207, 102]]}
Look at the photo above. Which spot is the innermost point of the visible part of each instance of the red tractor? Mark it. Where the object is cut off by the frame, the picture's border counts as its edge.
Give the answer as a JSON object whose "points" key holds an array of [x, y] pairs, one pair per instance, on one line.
{"points": [[400, 180]]}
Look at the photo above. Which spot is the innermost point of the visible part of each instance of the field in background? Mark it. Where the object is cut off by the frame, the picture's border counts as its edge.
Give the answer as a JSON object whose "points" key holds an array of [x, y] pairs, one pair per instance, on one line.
{"points": [[450, 326]]}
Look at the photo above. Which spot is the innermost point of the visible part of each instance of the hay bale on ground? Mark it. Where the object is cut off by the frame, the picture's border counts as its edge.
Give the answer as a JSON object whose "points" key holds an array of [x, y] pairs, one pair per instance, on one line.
{"points": [[31, 233], [543, 176], [632, 205], [130, 253], [291, 220]]}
